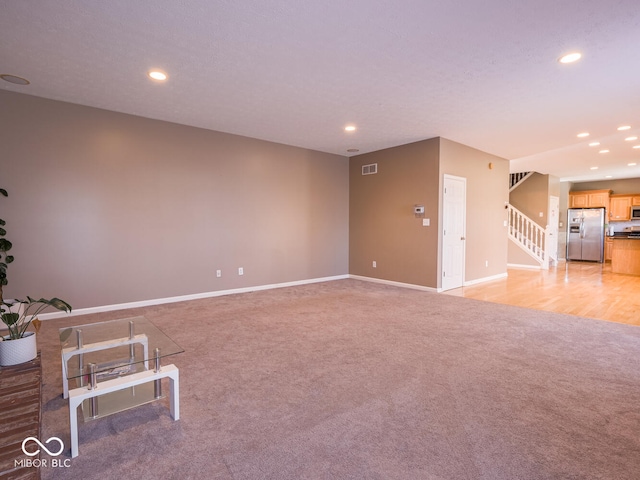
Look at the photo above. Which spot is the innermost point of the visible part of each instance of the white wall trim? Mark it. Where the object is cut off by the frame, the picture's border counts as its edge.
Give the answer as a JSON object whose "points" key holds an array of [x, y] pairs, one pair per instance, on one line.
{"points": [[529, 267], [184, 298], [396, 284], [486, 279], [219, 293]]}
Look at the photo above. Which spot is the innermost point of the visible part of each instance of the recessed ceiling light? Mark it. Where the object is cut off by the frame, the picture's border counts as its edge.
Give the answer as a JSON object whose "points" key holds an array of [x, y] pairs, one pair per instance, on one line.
{"points": [[350, 128], [604, 151], [633, 164], [594, 168], [583, 134], [158, 75], [636, 146], [631, 139], [13, 79], [624, 127], [594, 144], [608, 176], [570, 57]]}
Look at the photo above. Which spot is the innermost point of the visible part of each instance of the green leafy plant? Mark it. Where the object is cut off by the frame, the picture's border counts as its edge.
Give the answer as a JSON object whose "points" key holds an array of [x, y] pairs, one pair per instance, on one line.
{"points": [[18, 322], [5, 246], [19, 314]]}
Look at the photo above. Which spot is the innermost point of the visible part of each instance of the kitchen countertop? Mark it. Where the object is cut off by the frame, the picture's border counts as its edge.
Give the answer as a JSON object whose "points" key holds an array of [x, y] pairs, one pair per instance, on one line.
{"points": [[624, 235]]}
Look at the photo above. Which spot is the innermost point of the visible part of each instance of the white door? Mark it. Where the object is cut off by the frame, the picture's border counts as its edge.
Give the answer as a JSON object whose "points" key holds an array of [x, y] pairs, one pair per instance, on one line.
{"points": [[554, 220], [453, 231]]}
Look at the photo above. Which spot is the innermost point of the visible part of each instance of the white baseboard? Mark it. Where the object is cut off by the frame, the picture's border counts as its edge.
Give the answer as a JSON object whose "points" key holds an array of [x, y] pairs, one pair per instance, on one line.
{"points": [[485, 279], [184, 298], [530, 267], [395, 284], [422, 287]]}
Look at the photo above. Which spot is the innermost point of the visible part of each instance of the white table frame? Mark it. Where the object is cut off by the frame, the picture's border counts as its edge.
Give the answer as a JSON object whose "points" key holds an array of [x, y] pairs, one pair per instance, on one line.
{"points": [[95, 389], [78, 395]]}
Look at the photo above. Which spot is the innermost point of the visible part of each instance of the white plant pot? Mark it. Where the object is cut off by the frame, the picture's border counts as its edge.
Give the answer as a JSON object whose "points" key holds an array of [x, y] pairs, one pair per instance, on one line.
{"points": [[21, 350]]}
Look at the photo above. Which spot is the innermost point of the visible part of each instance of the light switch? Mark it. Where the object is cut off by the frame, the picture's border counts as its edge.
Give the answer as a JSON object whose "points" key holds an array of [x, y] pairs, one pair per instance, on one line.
{"points": [[425, 222]]}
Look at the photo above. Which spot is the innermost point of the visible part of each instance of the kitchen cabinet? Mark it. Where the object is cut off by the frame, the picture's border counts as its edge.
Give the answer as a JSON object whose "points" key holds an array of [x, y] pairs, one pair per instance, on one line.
{"points": [[589, 198], [599, 198], [578, 200], [635, 200], [608, 248], [620, 208]]}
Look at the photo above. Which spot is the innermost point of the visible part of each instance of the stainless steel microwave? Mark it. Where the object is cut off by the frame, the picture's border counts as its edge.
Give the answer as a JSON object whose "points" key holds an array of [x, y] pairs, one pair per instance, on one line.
{"points": [[635, 213]]}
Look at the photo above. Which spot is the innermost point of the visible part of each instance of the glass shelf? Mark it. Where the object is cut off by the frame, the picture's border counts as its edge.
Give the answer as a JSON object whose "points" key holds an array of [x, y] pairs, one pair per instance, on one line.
{"points": [[119, 401]]}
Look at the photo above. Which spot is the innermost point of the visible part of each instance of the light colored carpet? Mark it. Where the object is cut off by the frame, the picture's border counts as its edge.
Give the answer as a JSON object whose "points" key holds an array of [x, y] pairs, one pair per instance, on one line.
{"points": [[355, 380]]}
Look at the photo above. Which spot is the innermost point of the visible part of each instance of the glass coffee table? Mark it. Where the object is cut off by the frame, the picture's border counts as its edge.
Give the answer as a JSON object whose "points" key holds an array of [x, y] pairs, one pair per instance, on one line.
{"points": [[109, 367]]}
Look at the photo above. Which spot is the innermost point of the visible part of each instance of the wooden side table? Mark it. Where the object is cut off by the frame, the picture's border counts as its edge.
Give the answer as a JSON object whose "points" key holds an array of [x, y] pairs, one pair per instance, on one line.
{"points": [[20, 415]]}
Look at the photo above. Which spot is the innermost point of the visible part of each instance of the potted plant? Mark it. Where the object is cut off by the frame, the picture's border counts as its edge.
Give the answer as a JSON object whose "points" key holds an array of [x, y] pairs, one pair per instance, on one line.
{"points": [[19, 345]]}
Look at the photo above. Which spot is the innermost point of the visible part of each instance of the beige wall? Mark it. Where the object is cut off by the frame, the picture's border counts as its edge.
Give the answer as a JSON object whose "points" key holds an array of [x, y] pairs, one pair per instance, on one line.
{"points": [[107, 208], [622, 186], [384, 229], [518, 257], [487, 195]]}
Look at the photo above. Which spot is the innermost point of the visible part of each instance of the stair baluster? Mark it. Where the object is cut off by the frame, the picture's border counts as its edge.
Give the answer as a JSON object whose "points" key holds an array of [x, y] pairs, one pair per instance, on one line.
{"points": [[528, 235]]}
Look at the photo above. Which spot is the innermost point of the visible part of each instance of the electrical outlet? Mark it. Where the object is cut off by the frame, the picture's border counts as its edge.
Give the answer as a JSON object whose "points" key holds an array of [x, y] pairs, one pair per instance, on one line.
{"points": [[218, 273], [486, 263], [241, 271], [374, 264]]}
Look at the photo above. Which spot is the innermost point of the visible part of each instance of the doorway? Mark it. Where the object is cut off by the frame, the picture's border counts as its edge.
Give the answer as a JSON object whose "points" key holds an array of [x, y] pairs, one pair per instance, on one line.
{"points": [[552, 240]]}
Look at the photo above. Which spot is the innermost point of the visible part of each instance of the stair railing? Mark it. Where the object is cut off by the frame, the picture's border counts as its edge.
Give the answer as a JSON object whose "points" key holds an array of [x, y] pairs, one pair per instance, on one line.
{"points": [[516, 179], [530, 236]]}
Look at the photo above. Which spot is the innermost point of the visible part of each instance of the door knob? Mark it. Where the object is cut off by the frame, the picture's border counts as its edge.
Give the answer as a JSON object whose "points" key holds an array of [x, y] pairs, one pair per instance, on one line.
{"points": [[462, 238]]}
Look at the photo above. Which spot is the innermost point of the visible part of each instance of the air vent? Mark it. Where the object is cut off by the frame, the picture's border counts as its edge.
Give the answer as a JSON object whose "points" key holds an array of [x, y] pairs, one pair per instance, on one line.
{"points": [[370, 169]]}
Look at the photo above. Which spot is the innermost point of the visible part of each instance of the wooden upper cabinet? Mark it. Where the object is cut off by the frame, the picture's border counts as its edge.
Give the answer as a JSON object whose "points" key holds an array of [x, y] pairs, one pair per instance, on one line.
{"points": [[578, 200], [599, 198], [635, 200], [620, 208], [589, 198]]}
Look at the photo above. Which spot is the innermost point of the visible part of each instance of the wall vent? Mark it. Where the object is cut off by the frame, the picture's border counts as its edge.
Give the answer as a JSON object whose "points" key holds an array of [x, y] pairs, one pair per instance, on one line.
{"points": [[370, 169]]}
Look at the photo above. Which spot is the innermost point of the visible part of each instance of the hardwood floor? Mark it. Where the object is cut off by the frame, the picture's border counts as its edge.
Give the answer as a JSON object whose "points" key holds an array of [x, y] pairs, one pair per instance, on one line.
{"points": [[577, 288]]}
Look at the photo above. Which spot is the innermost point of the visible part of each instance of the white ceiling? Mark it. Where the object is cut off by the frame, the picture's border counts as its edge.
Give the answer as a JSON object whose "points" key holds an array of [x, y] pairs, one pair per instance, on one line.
{"points": [[484, 74]]}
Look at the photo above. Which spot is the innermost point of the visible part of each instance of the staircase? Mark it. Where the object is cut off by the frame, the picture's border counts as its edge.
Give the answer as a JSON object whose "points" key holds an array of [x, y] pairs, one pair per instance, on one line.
{"points": [[529, 236], [516, 179]]}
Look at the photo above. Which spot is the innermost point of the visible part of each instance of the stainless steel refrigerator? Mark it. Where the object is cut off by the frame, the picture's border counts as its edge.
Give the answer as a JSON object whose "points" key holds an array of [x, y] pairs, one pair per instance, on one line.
{"points": [[585, 234]]}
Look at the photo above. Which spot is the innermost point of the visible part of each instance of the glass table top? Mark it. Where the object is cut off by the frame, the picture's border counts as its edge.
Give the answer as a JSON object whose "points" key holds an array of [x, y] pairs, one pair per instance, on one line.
{"points": [[115, 347]]}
